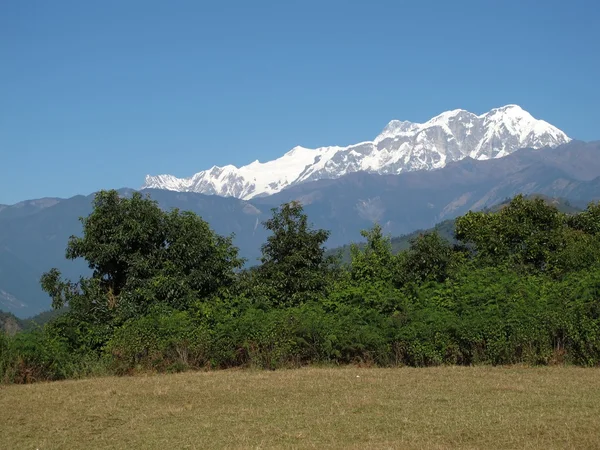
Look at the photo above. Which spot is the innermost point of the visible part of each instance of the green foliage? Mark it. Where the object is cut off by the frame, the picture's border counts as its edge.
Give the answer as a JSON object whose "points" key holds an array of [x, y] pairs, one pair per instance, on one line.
{"points": [[579, 251], [141, 256], [164, 339], [520, 284], [374, 261], [294, 268], [41, 355], [42, 318], [299, 335], [526, 233], [588, 221], [7, 357], [429, 258]]}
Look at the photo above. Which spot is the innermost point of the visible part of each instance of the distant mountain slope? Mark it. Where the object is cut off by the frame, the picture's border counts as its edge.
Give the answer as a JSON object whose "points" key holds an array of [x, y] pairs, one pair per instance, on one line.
{"points": [[26, 208], [19, 285], [31, 244], [401, 147], [413, 200], [446, 228], [9, 323]]}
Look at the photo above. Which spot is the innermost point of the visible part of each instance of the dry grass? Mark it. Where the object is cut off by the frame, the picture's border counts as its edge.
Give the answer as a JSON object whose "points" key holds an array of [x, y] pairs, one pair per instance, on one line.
{"points": [[448, 407]]}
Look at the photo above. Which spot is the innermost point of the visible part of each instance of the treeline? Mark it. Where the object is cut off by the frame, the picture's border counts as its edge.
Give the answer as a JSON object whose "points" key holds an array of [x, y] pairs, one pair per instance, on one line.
{"points": [[517, 285]]}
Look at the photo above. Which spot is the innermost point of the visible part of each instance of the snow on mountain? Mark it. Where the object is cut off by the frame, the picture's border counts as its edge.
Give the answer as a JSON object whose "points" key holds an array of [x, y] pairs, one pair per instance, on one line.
{"points": [[401, 146]]}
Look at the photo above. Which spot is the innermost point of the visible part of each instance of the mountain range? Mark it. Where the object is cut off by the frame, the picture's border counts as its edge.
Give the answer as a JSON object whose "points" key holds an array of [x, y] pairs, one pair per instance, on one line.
{"points": [[34, 234], [401, 147]]}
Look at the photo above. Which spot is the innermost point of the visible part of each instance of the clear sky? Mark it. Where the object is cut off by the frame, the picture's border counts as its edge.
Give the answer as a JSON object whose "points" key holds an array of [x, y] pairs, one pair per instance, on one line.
{"points": [[98, 94]]}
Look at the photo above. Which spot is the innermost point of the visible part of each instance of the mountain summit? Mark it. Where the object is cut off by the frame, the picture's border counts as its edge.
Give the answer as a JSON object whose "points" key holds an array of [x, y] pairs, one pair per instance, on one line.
{"points": [[402, 146]]}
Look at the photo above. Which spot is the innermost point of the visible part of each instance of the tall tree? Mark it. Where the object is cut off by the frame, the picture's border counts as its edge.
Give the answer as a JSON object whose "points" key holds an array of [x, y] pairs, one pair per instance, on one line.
{"points": [[374, 261], [429, 258], [587, 221], [139, 256], [294, 266], [526, 233]]}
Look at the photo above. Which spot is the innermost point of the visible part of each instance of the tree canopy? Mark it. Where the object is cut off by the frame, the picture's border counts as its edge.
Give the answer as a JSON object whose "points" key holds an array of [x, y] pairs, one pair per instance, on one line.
{"points": [[141, 256], [294, 266]]}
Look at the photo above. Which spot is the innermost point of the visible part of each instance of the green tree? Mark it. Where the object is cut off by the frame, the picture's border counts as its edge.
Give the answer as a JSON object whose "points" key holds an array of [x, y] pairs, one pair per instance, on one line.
{"points": [[429, 258], [525, 233], [141, 256], [375, 260], [587, 221], [294, 266]]}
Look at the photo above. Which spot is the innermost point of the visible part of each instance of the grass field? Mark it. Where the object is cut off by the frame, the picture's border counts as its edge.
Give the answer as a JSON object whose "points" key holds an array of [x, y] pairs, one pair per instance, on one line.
{"points": [[446, 407]]}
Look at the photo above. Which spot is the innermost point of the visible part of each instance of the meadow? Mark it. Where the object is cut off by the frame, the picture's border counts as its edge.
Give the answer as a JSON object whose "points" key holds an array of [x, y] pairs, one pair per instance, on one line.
{"points": [[350, 407]]}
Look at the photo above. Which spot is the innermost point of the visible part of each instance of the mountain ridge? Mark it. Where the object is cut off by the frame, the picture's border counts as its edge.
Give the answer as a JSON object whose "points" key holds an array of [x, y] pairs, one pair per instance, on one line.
{"points": [[402, 146], [33, 243]]}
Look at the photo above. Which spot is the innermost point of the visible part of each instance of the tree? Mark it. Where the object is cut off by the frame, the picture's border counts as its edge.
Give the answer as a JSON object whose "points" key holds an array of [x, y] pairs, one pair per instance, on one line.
{"points": [[587, 221], [525, 233], [140, 256], [294, 266], [429, 258], [375, 261]]}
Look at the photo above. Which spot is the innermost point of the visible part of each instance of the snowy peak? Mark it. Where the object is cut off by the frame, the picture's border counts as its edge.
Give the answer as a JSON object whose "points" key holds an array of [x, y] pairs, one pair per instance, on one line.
{"points": [[401, 146], [397, 128]]}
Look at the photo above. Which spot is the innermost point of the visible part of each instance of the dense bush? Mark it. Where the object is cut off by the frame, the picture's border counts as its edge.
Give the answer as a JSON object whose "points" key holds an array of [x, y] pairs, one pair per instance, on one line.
{"points": [[521, 285], [41, 355], [165, 339]]}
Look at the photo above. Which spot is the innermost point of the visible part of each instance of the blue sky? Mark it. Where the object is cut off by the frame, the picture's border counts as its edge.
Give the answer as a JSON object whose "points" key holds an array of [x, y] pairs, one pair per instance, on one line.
{"points": [[97, 94]]}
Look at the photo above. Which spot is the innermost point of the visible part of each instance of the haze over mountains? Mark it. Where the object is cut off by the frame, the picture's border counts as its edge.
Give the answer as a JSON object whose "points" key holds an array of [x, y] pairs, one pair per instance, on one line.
{"points": [[401, 147]]}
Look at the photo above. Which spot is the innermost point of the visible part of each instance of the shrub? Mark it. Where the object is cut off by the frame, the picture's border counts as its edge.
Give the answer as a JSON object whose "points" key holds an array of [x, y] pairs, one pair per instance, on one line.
{"points": [[40, 355], [164, 340]]}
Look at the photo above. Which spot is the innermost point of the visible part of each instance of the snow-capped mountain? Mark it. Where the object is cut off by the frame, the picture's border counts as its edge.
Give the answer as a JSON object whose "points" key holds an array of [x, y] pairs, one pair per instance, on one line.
{"points": [[402, 146]]}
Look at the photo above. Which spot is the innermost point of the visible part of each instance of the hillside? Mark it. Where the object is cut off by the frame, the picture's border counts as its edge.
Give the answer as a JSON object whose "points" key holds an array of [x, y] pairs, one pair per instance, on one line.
{"points": [[9, 323], [446, 228]]}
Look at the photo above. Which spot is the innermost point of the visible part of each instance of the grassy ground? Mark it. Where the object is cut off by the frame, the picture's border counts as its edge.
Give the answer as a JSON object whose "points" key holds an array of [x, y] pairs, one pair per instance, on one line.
{"points": [[448, 407]]}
